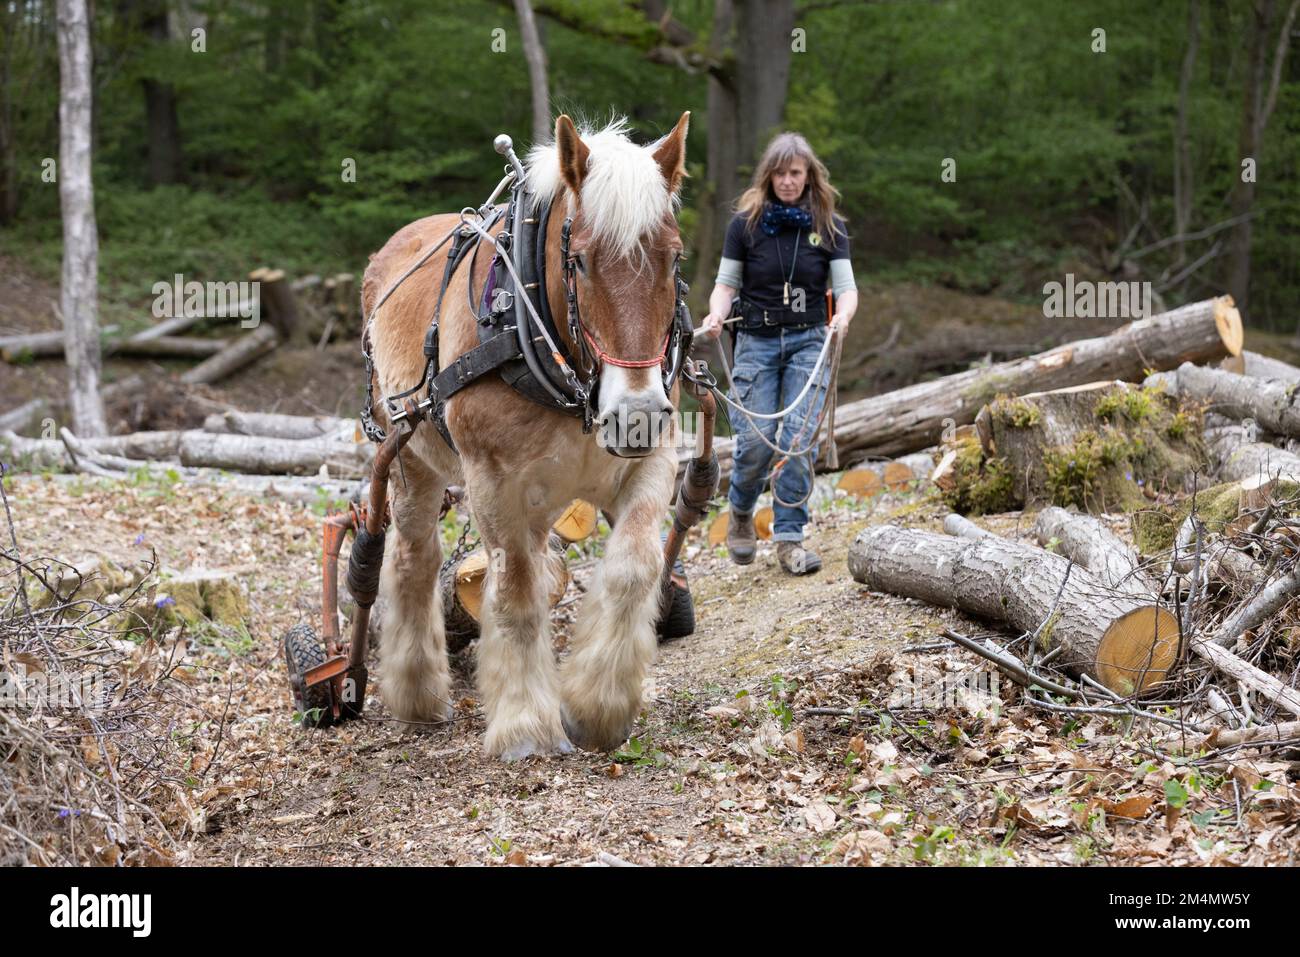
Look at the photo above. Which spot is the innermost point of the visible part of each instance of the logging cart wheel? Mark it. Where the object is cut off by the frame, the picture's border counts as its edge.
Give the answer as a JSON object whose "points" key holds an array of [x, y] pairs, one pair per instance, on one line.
{"points": [[302, 652], [677, 619]]}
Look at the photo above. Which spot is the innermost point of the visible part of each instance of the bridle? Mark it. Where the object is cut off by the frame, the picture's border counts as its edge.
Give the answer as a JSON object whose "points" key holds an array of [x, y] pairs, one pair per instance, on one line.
{"points": [[677, 340], [556, 381]]}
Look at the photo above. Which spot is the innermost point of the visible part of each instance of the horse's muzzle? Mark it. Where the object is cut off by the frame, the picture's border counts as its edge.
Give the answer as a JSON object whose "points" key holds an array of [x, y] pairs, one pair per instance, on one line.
{"points": [[635, 428]]}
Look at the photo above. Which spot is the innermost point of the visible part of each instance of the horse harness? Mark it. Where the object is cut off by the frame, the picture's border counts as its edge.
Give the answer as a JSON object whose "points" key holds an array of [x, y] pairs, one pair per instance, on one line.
{"points": [[534, 362]]}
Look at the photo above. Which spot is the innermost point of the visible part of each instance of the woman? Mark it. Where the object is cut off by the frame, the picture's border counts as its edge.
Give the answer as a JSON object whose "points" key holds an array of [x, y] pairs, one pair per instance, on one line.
{"points": [[784, 248]]}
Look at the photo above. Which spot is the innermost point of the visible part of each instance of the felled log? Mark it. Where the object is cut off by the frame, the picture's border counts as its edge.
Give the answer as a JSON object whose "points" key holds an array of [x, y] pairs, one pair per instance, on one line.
{"points": [[278, 426], [1269, 402], [258, 455], [21, 452], [463, 579], [149, 446], [46, 344], [128, 386], [167, 347], [1220, 559], [53, 453], [1122, 641], [24, 417], [35, 345], [897, 475], [1096, 446], [1279, 731], [1258, 366], [1090, 543], [914, 417], [241, 352]]}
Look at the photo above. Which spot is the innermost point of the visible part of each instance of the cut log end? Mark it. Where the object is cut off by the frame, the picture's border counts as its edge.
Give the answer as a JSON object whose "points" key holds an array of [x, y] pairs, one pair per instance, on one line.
{"points": [[577, 522], [470, 580], [862, 483], [1228, 321], [1137, 650]]}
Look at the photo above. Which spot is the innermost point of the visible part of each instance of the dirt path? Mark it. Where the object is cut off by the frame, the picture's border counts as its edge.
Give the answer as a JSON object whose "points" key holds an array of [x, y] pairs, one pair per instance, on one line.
{"points": [[727, 766]]}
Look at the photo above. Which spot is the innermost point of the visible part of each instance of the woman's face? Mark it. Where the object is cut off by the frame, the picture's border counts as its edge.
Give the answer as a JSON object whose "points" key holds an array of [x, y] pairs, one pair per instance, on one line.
{"points": [[788, 183]]}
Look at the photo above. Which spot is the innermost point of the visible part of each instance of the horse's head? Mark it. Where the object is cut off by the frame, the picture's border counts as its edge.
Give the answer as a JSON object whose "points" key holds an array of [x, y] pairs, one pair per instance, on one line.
{"points": [[623, 250]]}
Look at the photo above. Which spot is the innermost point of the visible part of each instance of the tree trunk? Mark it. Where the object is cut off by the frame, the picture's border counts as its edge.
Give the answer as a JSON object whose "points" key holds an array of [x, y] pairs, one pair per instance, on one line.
{"points": [[8, 136], [1184, 191], [763, 53], [80, 287], [164, 135], [1095, 446], [721, 185], [1126, 643], [535, 55], [1242, 198]]}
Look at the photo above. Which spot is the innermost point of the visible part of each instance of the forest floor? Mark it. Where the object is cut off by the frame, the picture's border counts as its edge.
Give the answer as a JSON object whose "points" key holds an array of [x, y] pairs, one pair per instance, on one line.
{"points": [[728, 764]]}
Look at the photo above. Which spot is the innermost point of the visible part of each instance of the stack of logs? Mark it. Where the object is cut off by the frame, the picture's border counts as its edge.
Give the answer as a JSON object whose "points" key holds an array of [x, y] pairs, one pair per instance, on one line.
{"points": [[1214, 574]]}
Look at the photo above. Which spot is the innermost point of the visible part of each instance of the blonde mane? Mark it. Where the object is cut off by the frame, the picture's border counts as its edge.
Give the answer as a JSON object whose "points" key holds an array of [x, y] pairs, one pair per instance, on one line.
{"points": [[624, 194]]}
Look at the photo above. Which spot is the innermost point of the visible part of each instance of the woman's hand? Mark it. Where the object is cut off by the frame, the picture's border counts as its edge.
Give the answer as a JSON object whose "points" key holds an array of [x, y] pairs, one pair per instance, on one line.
{"points": [[846, 304], [711, 326]]}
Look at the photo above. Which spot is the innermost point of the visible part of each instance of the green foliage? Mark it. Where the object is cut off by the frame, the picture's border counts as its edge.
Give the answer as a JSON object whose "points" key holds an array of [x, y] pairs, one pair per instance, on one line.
{"points": [[640, 752], [1055, 146]]}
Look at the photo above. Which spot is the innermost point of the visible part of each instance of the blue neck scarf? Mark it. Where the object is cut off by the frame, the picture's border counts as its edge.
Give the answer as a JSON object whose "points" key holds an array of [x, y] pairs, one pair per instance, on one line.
{"points": [[778, 216]]}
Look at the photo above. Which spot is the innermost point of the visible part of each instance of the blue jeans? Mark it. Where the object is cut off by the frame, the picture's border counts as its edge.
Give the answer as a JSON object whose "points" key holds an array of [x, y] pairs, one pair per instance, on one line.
{"points": [[769, 372]]}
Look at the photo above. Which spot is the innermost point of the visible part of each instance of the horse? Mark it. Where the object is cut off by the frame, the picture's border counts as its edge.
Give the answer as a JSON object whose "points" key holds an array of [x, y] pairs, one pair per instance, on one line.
{"points": [[521, 463]]}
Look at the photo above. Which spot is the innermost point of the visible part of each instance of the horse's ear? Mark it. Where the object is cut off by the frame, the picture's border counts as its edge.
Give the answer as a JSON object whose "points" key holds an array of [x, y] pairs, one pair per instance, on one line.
{"points": [[573, 153], [671, 154]]}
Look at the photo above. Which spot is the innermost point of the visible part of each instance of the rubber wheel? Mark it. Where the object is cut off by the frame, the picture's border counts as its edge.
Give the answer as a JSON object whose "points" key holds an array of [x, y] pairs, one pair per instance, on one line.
{"points": [[678, 618], [303, 651]]}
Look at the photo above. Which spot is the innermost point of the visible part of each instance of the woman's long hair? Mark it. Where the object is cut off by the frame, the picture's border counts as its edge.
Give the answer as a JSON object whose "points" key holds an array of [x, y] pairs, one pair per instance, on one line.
{"points": [[819, 195]]}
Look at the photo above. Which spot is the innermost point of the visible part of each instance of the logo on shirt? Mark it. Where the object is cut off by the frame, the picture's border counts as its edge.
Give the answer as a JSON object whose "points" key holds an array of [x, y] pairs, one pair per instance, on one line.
{"points": [[814, 239]]}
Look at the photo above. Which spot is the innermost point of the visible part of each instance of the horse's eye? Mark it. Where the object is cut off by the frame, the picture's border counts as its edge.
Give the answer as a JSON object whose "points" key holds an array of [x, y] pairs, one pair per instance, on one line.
{"points": [[581, 261]]}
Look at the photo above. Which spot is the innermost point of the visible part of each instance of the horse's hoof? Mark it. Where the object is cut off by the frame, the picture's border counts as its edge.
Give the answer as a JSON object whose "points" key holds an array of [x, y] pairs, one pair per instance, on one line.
{"points": [[587, 741], [529, 749]]}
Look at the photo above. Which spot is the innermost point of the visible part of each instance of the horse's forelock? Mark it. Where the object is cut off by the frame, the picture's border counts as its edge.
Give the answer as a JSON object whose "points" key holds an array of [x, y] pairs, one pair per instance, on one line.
{"points": [[624, 194]]}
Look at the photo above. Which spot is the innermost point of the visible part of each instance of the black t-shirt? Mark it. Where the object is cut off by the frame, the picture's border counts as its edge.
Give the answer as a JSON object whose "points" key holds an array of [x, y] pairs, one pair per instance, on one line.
{"points": [[767, 261]]}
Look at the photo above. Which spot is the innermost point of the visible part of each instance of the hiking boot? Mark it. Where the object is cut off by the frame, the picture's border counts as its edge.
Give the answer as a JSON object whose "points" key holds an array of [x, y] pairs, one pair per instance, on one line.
{"points": [[796, 559], [741, 540]]}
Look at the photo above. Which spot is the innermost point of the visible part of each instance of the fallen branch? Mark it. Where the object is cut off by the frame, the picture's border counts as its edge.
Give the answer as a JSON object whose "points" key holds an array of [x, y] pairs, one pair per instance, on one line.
{"points": [[1225, 661]]}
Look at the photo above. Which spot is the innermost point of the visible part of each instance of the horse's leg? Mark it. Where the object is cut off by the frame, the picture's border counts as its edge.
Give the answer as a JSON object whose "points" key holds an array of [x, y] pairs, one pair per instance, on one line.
{"points": [[602, 679], [516, 665], [415, 680]]}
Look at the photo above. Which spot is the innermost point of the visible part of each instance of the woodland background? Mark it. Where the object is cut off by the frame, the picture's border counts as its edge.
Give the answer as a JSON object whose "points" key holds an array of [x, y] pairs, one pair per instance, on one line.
{"points": [[1067, 160]]}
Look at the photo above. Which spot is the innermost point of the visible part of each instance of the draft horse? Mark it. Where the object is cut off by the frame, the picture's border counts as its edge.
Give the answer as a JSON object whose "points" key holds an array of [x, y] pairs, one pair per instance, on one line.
{"points": [[615, 234]]}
